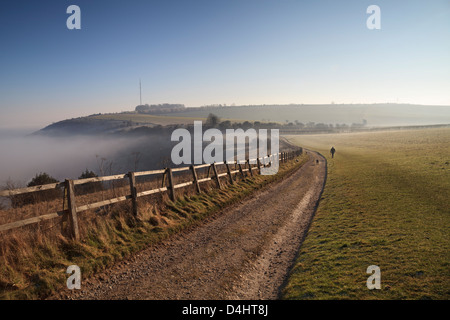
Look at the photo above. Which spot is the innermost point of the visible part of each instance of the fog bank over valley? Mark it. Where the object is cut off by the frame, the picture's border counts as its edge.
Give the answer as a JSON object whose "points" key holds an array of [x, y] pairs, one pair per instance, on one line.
{"points": [[24, 156]]}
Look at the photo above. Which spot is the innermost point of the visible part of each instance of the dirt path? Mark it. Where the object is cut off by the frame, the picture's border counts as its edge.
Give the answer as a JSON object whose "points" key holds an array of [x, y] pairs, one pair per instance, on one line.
{"points": [[243, 253]]}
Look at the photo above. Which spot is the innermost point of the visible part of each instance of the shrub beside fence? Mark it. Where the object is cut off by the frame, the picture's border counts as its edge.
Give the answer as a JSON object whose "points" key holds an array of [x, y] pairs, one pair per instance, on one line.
{"points": [[70, 208]]}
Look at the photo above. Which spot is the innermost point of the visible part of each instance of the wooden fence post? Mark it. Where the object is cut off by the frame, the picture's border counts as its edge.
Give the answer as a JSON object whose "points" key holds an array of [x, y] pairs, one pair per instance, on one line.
{"points": [[65, 217], [194, 174], [259, 165], [240, 170], [163, 183], [171, 186], [73, 220], [217, 176], [133, 191], [250, 167], [229, 173]]}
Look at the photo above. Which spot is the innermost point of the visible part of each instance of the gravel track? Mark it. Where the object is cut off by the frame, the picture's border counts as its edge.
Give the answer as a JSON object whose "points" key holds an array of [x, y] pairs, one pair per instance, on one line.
{"points": [[245, 252]]}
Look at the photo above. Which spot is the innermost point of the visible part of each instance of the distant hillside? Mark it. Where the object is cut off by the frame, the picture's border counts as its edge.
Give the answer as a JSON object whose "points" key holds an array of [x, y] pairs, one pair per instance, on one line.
{"points": [[113, 122], [301, 116], [84, 125], [373, 114]]}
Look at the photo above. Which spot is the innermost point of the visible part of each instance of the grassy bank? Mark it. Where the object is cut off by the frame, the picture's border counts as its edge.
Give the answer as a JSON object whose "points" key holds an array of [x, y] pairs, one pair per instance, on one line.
{"points": [[386, 203], [33, 263]]}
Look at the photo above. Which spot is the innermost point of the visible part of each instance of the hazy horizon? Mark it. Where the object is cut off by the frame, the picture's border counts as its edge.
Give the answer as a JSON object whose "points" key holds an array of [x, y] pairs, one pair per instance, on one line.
{"points": [[24, 129]]}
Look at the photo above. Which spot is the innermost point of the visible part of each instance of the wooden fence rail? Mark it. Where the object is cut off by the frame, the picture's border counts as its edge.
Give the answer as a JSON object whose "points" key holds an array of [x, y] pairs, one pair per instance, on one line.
{"points": [[167, 174]]}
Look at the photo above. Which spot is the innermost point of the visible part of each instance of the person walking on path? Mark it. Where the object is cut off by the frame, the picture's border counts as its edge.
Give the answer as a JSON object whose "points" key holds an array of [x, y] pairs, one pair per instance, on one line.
{"points": [[332, 151]]}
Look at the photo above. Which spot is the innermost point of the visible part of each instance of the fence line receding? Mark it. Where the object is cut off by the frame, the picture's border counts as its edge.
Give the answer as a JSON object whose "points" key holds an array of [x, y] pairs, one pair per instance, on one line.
{"points": [[70, 208]]}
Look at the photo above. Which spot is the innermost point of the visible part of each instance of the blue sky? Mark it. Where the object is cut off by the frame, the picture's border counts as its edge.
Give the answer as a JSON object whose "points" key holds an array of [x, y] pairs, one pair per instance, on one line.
{"points": [[217, 51]]}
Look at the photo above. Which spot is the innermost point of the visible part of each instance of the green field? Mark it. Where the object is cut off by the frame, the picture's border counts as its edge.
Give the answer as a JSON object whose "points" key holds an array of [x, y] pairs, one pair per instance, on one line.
{"points": [[157, 119], [149, 118], [386, 203]]}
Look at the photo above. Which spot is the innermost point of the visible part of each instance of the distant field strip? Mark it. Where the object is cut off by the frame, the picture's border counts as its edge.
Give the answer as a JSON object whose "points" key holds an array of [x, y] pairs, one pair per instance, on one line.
{"points": [[149, 118], [386, 203]]}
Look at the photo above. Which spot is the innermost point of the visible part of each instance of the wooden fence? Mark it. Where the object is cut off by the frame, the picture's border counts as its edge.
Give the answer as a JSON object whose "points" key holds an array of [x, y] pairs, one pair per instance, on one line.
{"points": [[249, 166]]}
